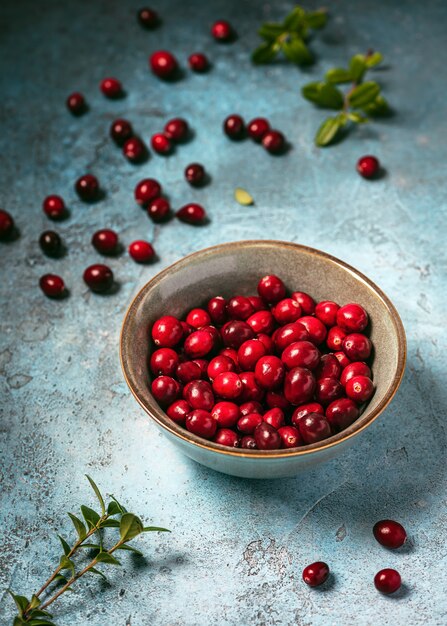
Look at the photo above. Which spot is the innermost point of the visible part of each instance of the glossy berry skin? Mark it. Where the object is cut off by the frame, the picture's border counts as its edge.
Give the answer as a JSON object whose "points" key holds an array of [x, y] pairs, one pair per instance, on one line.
{"points": [[334, 339], [54, 207], [288, 334], [290, 437], [147, 190], [227, 437], [368, 166], [188, 371], [227, 385], [192, 213], [176, 129], [87, 188], [219, 365], [249, 354], [141, 251], [226, 414], [98, 277], [167, 332], [248, 443], [267, 342], [202, 363], [316, 329], [50, 243], [200, 422], [341, 413], [313, 428], [299, 385], [134, 150], [165, 390], [306, 409], [328, 367], [326, 311], [234, 127], [357, 347], [198, 62], [163, 64], [271, 289], [148, 18], [251, 388], [164, 362], [257, 128], [76, 103], [198, 317], [239, 308], [301, 354], [251, 407], [358, 368], [307, 303], [257, 303], [328, 390], [269, 372], [161, 144], [274, 417], [222, 31], [274, 141], [199, 344], [235, 332], [111, 88], [6, 225], [359, 388], [120, 131], [217, 308], [276, 400], [159, 210], [52, 285], [390, 534], [247, 424], [352, 318], [316, 574], [178, 411], [199, 395], [286, 311], [267, 437], [342, 359], [195, 174], [387, 581], [261, 322]]}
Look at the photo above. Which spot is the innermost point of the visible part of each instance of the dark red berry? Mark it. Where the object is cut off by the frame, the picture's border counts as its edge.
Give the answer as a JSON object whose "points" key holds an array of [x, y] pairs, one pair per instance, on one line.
{"points": [[200, 422], [359, 388], [161, 144], [52, 285], [305, 409], [301, 354], [176, 129], [178, 411], [299, 385], [316, 574], [227, 437], [267, 437], [286, 311], [368, 166], [251, 388], [276, 400], [222, 31], [228, 385], [341, 413], [163, 64], [316, 329], [352, 318], [50, 243], [199, 394], [121, 131], [217, 308], [195, 174], [199, 344], [271, 289], [248, 443], [159, 210], [314, 427], [134, 150], [290, 437], [269, 372], [389, 533], [54, 207], [198, 62], [76, 103], [328, 390], [105, 241], [147, 190], [164, 362], [141, 251], [248, 423], [87, 188], [192, 214], [167, 332], [258, 128], [306, 303], [358, 368], [6, 225], [387, 580], [188, 371], [239, 308], [234, 333], [148, 18], [357, 347], [226, 414], [111, 88], [273, 141], [326, 311], [234, 127], [98, 277], [342, 359], [329, 367], [257, 303]]}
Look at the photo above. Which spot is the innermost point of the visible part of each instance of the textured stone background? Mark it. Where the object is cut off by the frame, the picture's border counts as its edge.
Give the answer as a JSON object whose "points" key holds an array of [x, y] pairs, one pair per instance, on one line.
{"points": [[238, 547]]}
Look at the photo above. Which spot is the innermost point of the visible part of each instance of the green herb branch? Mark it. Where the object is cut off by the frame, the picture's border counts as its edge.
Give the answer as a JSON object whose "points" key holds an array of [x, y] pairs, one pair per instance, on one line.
{"points": [[114, 515], [289, 37]]}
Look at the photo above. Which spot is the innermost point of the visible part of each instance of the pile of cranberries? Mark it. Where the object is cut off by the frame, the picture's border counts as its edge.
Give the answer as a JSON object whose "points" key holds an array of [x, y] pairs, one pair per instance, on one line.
{"points": [[263, 372], [257, 129]]}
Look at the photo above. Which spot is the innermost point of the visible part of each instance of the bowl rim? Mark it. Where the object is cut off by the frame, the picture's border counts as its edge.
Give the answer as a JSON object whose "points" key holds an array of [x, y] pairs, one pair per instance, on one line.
{"points": [[160, 417]]}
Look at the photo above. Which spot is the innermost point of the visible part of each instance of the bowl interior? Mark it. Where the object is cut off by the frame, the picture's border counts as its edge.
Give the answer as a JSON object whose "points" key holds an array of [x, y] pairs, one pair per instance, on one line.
{"points": [[236, 268]]}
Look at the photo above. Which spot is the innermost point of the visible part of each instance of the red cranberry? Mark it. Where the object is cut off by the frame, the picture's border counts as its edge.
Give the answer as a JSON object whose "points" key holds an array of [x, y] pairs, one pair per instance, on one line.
{"points": [[163, 64], [368, 166], [164, 362], [326, 311], [54, 207], [341, 413], [267, 437], [387, 580], [176, 129], [6, 225], [200, 422], [274, 417], [87, 188], [222, 31], [192, 214], [52, 285], [290, 437], [50, 243], [215, 334], [342, 359], [76, 103], [217, 308], [167, 332], [227, 385], [358, 368], [248, 442], [258, 128], [105, 241], [159, 210], [301, 354], [231, 353], [334, 339], [111, 88], [161, 144], [199, 343], [306, 303], [251, 407], [269, 372], [288, 334], [227, 437], [251, 388], [275, 400], [305, 409], [178, 411], [329, 367], [198, 62], [234, 333], [234, 127], [141, 251], [316, 329], [249, 354], [352, 318], [314, 427], [248, 423], [203, 364], [328, 390], [271, 289], [359, 388], [389, 533], [121, 131], [187, 329], [195, 174], [219, 365], [134, 150], [198, 318], [199, 394], [267, 342], [239, 308], [257, 303], [226, 414], [273, 141], [188, 371], [261, 322], [98, 277], [286, 311], [148, 18], [316, 574], [147, 190], [165, 389], [299, 385], [357, 347]]}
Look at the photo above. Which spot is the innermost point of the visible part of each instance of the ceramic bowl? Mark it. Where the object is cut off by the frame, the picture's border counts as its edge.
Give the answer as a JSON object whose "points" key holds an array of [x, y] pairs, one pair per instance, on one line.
{"points": [[235, 268]]}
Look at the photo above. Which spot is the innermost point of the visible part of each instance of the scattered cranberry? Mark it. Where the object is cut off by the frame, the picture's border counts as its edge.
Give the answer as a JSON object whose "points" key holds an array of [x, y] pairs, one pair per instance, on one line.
{"points": [[258, 128], [50, 243], [121, 131], [314, 427], [326, 311], [164, 362], [134, 150], [352, 318], [357, 347], [147, 190], [198, 62], [52, 285], [54, 207], [387, 580], [234, 127], [301, 354], [200, 422], [316, 574], [76, 103], [269, 372], [161, 144], [226, 437], [299, 385], [148, 18], [87, 188], [176, 129], [234, 333], [267, 437], [389, 533], [368, 166], [195, 174], [167, 332], [359, 388], [105, 241], [316, 329], [199, 394], [290, 437], [306, 303], [217, 308], [111, 88], [141, 251], [226, 414], [6, 225], [248, 442], [222, 31], [163, 64], [178, 411], [341, 413], [274, 417], [247, 424], [159, 210], [358, 368], [99, 278], [328, 390], [192, 214], [273, 141]]}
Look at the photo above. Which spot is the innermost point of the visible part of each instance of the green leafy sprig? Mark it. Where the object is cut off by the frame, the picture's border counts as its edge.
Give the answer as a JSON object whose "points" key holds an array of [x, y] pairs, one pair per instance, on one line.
{"points": [[33, 612], [289, 37], [357, 105]]}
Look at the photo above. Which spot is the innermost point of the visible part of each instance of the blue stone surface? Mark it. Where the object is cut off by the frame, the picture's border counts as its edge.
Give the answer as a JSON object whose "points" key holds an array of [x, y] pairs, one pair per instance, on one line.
{"points": [[237, 547]]}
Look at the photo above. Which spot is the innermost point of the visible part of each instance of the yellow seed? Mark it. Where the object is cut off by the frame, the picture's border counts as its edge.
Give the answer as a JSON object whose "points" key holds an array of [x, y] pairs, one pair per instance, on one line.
{"points": [[243, 197]]}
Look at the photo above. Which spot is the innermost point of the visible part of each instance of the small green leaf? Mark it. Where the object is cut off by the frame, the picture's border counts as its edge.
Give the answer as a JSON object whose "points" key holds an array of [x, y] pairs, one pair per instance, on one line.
{"points": [[35, 602], [121, 507], [373, 59], [66, 548], [377, 108], [97, 493], [90, 546], [40, 613], [270, 31], [130, 526], [295, 50], [105, 557], [324, 95], [265, 53], [114, 508], [60, 578], [364, 94], [317, 19], [243, 197], [338, 75], [93, 570], [79, 526], [40, 622], [20, 601], [18, 621], [358, 118], [110, 523], [151, 529], [130, 548], [90, 516], [295, 21], [327, 131], [66, 563], [357, 67]]}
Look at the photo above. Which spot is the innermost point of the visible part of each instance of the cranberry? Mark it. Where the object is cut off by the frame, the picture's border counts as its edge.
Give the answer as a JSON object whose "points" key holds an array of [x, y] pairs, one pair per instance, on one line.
{"points": [[87, 188], [161, 144], [163, 64], [226, 414], [267, 437], [248, 443], [227, 437], [342, 359], [329, 367], [269, 372], [239, 308], [187, 329], [198, 62], [251, 388], [52, 285], [275, 400], [257, 303], [111, 88], [222, 31], [200, 422], [76, 103], [273, 141], [54, 207], [306, 303], [342, 413], [389, 533], [387, 580], [301, 354], [326, 311], [215, 334], [251, 407], [134, 150], [267, 342], [352, 318], [368, 166], [286, 311], [165, 389], [357, 347], [203, 364], [290, 333], [192, 214], [164, 362], [290, 437], [271, 289], [359, 388], [261, 322], [334, 339], [148, 18], [141, 251], [248, 423], [316, 574], [167, 332], [258, 128], [228, 385], [314, 427], [316, 329], [199, 343], [234, 127], [6, 225], [176, 129], [178, 411], [98, 277], [231, 353], [198, 318], [121, 131], [234, 333], [199, 394], [299, 385], [105, 241], [159, 210], [274, 417], [358, 368], [195, 174], [217, 308], [188, 371], [328, 390], [147, 190], [305, 409], [249, 354], [50, 243], [219, 365]]}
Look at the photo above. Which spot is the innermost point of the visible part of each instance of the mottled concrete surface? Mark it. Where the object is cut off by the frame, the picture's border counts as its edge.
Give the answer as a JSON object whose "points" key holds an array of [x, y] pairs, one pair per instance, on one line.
{"points": [[238, 547]]}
